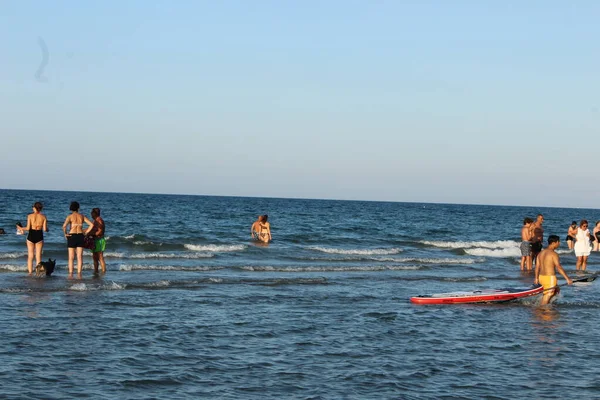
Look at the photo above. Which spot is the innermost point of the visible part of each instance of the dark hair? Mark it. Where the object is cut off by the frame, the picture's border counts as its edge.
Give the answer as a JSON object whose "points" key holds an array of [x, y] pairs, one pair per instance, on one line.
{"points": [[527, 220], [38, 206], [553, 239], [574, 223], [96, 211], [584, 221], [265, 218], [74, 206]]}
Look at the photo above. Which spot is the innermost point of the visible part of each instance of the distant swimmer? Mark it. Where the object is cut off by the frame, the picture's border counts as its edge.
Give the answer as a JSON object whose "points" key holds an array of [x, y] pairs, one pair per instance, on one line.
{"points": [[582, 245], [545, 270], [537, 237], [264, 234], [571, 234], [36, 225], [75, 238], [526, 244], [2, 231], [255, 228]]}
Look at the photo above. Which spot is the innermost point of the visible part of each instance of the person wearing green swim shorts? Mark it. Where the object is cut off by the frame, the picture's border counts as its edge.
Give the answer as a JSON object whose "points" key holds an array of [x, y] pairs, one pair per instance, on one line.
{"points": [[97, 231]]}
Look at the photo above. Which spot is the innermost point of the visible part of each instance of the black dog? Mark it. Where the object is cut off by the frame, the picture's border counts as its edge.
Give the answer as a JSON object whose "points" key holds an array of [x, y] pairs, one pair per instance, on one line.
{"points": [[45, 266]]}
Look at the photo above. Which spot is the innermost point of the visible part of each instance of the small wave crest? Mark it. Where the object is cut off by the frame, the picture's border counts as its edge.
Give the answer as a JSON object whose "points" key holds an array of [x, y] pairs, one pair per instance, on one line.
{"points": [[215, 248], [498, 244], [506, 252], [267, 268], [362, 252], [157, 255], [139, 267], [13, 268], [13, 255]]}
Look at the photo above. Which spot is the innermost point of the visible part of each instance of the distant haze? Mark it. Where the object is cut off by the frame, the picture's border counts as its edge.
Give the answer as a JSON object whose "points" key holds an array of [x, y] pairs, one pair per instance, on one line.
{"points": [[427, 101]]}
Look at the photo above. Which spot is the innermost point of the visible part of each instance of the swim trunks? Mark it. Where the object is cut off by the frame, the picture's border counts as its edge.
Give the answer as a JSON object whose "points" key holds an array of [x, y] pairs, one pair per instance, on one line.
{"points": [[35, 235], [536, 247], [75, 240], [569, 237], [547, 281], [100, 245], [525, 248]]}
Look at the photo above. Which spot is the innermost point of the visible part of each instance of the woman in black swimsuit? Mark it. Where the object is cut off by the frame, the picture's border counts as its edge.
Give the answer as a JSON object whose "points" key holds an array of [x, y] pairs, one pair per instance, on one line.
{"points": [[75, 237], [36, 225]]}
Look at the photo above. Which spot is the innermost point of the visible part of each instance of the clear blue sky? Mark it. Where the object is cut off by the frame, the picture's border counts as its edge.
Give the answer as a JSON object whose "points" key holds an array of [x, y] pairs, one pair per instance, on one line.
{"points": [[492, 102]]}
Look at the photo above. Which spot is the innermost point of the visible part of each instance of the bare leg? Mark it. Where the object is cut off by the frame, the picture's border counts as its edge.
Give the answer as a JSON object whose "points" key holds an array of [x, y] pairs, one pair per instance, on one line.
{"points": [[523, 263], [96, 257], [102, 263], [38, 252], [578, 265], [79, 261], [71, 257], [529, 263], [584, 263], [570, 244], [30, 251]]}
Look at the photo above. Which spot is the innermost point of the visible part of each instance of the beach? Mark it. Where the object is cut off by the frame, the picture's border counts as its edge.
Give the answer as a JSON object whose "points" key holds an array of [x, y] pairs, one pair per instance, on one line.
{"points": [[191, 307]]}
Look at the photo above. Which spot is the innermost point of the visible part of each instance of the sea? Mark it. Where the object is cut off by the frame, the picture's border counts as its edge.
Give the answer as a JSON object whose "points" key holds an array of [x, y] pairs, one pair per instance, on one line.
{"points": [[192, 308]]}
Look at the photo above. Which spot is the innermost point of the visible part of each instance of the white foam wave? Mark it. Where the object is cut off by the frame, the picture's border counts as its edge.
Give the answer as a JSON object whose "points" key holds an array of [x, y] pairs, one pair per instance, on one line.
{"points": [[129, 236], [79, 287], [215, 248], [158, 255], [506, 252], [363, 252], [138, 267], [115, 286], [163, 283], [431, 260], [266, 268], [13, 268], [12, 255], [499, 244]]}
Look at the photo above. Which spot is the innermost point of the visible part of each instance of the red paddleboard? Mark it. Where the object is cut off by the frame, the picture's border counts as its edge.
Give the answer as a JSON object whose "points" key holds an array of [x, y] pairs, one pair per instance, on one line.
{"points": [[478, 296]]}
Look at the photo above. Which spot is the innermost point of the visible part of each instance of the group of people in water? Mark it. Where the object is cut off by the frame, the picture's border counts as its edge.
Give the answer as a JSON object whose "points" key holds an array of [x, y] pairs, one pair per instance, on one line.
{"points": [[547, 263], [77, 238]]}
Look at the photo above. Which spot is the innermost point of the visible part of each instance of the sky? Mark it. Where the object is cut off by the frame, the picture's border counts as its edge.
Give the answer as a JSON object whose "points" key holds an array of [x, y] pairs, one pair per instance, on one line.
{"points": [[475, 102]]}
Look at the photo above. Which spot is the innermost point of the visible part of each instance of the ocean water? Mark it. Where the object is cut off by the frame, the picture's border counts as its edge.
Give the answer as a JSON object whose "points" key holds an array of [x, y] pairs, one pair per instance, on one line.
{"points": [[191, 308]]}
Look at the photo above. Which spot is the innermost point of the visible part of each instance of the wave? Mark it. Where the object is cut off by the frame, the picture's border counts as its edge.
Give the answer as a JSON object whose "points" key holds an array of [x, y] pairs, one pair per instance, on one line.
{"points": [[137, 267], [13, 268], [356, 251], [13, 255], [504, 253], [499, 244], [266, 268], [157, 255], [215, 248], [431, 260]]}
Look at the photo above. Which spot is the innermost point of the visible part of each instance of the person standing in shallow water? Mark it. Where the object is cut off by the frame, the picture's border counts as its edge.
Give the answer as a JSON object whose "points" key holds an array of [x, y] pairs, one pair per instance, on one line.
{"points": [[571, 233], [545, 270], [526, 245], [537, 237], [75, 237], [265, 230], [36, 225], [97, 231], [582, 245], [255, 228]]}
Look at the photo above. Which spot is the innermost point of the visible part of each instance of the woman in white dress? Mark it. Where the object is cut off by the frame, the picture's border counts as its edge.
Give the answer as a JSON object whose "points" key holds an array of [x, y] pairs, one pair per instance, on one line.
{"points": [[582, 245]]}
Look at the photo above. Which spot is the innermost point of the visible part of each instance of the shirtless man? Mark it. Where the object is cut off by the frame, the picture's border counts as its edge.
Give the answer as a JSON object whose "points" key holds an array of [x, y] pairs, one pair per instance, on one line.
{"points": [[526, 244], [545, 270], [97, 231], [537, 237], [255, 228]]}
